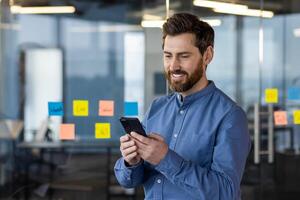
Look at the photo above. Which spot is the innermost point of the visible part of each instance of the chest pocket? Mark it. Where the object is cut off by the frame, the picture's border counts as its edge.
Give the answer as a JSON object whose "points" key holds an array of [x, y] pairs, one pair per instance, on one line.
{"points": [[196, 146]]}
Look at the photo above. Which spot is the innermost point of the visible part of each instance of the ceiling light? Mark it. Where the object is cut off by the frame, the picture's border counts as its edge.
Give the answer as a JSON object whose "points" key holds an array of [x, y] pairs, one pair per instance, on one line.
{"points": [[42, 9], [216, 4], [247, 12], [231, 8], [159, 23]]}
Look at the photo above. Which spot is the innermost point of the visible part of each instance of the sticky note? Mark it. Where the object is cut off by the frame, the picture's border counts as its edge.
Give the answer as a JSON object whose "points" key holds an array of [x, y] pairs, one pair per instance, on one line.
{"points": [[293, 93], [55, 109], [131, 109], [297, 117], [102, 130], [271, 95], [106, 108], [80, 108], [67, 132], [280, 118]]}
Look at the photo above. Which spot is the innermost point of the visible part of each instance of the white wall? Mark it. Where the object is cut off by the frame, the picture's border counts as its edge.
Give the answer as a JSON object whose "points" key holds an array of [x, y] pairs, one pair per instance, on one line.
{"points": [[134, 62], [43, 83]]}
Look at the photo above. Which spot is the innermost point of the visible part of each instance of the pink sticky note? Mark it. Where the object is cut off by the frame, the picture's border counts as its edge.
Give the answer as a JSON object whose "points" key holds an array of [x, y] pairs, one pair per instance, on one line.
{"points": [[67, 132], [280, 118], [106, 108]]}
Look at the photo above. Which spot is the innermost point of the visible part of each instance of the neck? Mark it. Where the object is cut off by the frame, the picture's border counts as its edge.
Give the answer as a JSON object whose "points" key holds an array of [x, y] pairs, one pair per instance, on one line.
{"points": [[200, 85]]}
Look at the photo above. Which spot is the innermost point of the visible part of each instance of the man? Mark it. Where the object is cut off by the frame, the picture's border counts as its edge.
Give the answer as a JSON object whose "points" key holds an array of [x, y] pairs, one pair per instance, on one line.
{"points": [[198, 139]]}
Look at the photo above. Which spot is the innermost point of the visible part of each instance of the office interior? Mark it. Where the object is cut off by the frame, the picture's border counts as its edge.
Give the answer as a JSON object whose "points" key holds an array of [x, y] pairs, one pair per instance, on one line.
{"points": [[93, 50]]}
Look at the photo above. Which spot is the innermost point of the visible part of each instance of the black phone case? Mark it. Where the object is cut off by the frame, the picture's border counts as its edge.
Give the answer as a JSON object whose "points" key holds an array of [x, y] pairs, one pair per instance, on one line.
{"points": [[132, 124]]}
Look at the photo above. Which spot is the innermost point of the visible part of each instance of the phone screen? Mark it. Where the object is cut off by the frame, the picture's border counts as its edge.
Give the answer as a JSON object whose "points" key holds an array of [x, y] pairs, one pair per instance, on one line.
{"points": [[132, 124]]}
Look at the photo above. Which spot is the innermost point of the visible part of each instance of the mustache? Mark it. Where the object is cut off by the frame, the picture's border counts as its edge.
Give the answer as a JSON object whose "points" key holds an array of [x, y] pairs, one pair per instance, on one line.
{"points": [[178, 71]]}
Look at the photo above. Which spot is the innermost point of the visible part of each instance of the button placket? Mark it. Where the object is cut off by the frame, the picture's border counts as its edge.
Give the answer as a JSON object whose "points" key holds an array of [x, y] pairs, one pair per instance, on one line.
{"points": [[178, 123]]}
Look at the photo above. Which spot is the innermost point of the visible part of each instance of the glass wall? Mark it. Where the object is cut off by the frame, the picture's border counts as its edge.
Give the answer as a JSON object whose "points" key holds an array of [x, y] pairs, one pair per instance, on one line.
{"points": [[107, 55]]}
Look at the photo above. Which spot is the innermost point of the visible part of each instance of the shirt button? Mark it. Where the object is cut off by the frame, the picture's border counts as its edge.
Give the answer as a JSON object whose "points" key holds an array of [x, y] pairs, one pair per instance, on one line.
{"points": [[158, 181], [181, 112], [175, 135], [128, 179]]}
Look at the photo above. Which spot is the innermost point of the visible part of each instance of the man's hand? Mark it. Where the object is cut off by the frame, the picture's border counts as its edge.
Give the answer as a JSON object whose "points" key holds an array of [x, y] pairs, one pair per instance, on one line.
{"points": [[152, 148], [128, 149]]}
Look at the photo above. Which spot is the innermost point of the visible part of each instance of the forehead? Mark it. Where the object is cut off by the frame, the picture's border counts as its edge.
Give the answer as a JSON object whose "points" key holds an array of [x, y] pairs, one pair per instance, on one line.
{"points": [[184, 41]]}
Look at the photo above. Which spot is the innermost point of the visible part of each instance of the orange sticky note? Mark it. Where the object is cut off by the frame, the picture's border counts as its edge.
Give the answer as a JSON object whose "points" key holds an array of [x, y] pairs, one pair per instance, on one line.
{"points": [[297, 117], [106, 108], [80, 108], [102, 130], [67, 132], [280, 118], [271, 95]]}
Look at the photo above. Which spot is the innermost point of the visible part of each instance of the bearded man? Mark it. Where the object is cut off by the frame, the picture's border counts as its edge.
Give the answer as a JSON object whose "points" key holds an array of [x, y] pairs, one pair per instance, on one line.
{"points": [[197, 138]]}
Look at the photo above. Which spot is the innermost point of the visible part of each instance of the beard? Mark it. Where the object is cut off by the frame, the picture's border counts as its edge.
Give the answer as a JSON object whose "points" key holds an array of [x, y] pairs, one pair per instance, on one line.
{"points": [[189, 81]]}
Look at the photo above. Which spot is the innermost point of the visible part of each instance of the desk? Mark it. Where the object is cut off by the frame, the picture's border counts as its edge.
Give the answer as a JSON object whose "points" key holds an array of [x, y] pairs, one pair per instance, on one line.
{"points": [[58, 146], [68, 144]]}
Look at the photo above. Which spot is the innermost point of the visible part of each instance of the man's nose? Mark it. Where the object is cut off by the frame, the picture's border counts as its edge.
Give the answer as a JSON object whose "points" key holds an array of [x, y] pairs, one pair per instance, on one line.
{"points": [[174, 64]]}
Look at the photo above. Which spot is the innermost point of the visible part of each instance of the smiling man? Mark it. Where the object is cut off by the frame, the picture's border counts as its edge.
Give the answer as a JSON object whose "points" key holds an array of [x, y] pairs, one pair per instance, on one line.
{"points": [[198, 139]]}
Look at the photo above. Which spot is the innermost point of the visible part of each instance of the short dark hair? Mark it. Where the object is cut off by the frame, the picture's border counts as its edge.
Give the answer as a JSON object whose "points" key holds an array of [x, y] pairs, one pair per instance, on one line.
{"points": [[187, 23]]}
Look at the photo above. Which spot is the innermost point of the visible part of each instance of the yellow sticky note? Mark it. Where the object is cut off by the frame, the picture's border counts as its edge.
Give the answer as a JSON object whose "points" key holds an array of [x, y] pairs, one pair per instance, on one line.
{"points": [[67, 132], [297, 117], [102, 130], [106, 108], [271, 95], [80, 108], [280, 118]]}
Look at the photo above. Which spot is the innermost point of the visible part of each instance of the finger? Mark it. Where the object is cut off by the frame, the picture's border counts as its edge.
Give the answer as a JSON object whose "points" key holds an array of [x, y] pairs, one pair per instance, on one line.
{"points": [[141, 145], [131, 156], [156, 136], [124, 138], [141, 138], [127, 144], [129, 150], [133, 139], [143, 154]]}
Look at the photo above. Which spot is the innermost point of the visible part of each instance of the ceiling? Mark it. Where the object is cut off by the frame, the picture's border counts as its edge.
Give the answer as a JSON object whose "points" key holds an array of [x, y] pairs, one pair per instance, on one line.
{"points": [[131, 11]]}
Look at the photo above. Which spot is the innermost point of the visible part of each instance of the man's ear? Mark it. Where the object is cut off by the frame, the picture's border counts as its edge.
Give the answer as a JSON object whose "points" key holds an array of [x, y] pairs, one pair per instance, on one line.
{"points": [[208, 55]]}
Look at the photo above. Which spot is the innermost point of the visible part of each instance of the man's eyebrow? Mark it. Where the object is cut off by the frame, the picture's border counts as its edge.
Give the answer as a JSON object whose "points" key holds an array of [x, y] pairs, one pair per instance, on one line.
{"points": [[185, 52], [179, 53]]}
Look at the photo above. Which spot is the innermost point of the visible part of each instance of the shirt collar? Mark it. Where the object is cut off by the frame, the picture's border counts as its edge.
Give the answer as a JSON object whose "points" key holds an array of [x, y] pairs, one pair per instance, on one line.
{"points": [[190, 98]]}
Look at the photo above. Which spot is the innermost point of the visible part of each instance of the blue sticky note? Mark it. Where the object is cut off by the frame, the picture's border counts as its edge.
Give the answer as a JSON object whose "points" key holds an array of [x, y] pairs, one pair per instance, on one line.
{"points": [[131, 108], [293, 93], [55, 109]]}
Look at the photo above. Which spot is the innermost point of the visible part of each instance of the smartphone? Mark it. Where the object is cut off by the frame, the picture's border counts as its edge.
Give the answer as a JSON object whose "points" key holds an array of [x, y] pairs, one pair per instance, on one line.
{"points": [[132, 124]]}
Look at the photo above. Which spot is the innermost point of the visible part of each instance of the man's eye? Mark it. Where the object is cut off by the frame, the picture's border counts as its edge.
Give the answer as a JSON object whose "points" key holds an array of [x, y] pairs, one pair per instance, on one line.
{"points": [[185, 56], [168, 56]]}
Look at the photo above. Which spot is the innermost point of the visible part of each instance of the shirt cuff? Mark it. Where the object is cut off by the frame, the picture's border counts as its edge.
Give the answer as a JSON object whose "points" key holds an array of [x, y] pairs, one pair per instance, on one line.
{"points": [[170, 164], [128, 170], [126, 165]]}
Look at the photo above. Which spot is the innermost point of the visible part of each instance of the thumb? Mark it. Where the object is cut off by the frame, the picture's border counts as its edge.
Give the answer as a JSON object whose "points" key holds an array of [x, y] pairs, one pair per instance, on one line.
{"points": [[156, 136]]}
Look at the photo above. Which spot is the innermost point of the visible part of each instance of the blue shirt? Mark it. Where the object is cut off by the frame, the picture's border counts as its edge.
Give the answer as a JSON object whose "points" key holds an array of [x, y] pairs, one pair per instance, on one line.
{"points": [[208, 143]]}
